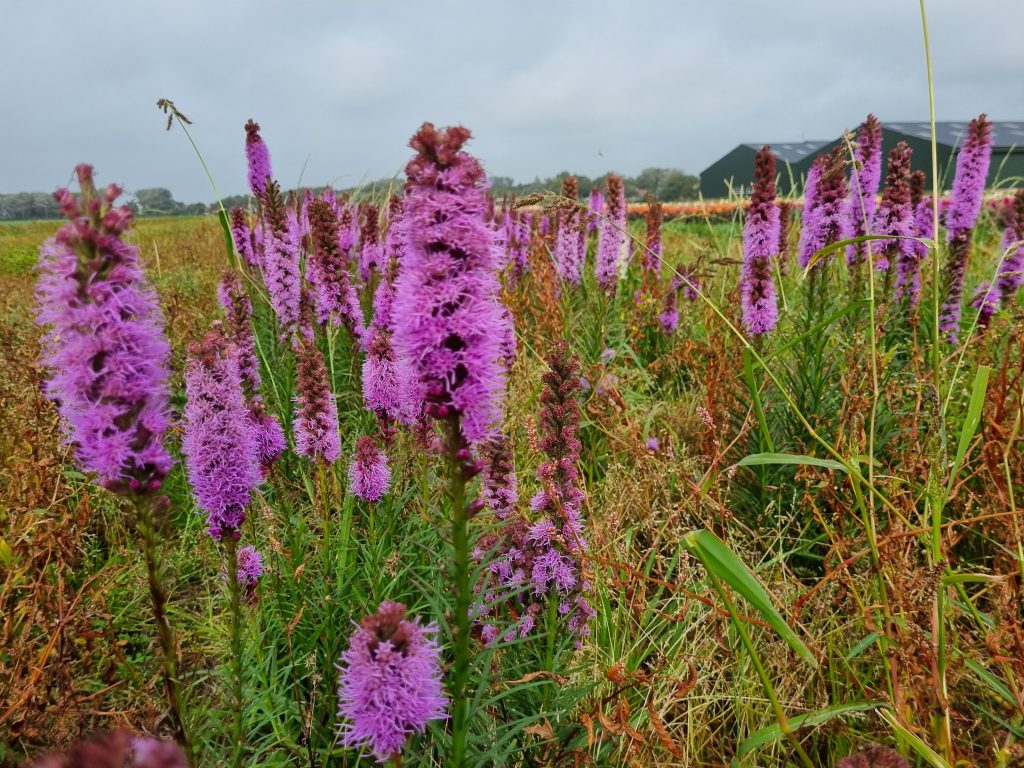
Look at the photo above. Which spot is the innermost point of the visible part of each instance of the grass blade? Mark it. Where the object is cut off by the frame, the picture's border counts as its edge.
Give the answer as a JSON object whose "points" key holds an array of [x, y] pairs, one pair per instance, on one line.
{"points": [[758, 459], [773, 733]]}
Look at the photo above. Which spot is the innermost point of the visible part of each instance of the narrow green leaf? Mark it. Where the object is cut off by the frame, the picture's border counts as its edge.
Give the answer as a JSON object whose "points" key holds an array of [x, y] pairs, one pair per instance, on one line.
{"points": [[757, 459], [748, 374], [866, 642], [229, 241], [773, 733], [973, 417], [993, 682], [926, 752], [724, 564]]}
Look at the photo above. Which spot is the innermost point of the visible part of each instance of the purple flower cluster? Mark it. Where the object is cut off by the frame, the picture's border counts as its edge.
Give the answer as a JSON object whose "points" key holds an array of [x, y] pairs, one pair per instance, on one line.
{"points": [[258, 157], [104, 342], [449, 323], [250, 569], [760, 246], [545, 556], [965, 204], [895, 216], [570, 248], [316, 418], [499, 476], [390, 685], [280, 262], [826, 217], [669, 317], [368, 474], [371, 252], [221, 453], [334, 295], [596, 208], [1010, 276], [389, 382], [864, 180], [241, 234], [612, 248], [652, 254]]}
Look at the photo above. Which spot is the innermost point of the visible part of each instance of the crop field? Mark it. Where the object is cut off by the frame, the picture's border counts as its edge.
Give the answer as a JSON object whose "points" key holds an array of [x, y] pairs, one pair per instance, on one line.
{"points": [[422, 477]]}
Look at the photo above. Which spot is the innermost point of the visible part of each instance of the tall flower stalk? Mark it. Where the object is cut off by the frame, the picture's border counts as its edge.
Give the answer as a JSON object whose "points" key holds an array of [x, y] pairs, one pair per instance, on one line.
{"points": [[826, 217], [1011, 272], [760, 246], [972, 164], [895, 217], [107, 356], [864, 180], [652, 254], [611, 243], [568, 245], [450, 326]]}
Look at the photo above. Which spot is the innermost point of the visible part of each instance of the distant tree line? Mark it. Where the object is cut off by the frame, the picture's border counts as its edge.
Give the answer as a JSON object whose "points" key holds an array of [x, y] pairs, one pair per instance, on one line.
{"points": [[665, 184]]}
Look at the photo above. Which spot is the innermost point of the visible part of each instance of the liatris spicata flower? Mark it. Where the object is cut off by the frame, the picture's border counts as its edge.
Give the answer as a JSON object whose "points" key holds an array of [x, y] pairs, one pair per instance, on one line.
{"points": [[499, 476], [115, 750], [390, 684], [669, 317], [258, 157], [864, 180], [250, 569], [371, 252], [611, 243], [568, 255], [334, 296], [368, 474], [237, 306], [895, 216], [1010, 276], [653, 444], [241, 234], [596, 207], [281, 263], [875, 756], [104, 342], [760, 244], [221, 455], [965, 204], [986, 301], [826, 218], [545, 555], [652, 254], [517, 226], [316, 419], [448, 319]]}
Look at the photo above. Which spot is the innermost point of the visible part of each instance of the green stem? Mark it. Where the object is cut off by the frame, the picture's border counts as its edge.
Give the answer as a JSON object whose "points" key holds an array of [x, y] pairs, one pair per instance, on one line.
{"points": [[460, 560], [147, 528], [780, 714], [234, 591]]}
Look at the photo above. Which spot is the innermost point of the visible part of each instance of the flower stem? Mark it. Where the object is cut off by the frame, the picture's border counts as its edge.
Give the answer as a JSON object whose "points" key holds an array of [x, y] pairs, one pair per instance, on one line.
{"points": [[231, 553], [146, 522], [460, 561]]}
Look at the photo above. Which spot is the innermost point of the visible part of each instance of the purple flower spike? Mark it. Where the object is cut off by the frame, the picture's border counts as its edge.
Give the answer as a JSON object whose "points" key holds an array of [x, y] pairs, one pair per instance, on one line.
{"points": [[242, 236], [281, 263], [316, 419], [334, 295], [499, 476], [864, 180], [895, 216], [760, 245], [371, 252], [652, 254], [569, 256], [826, 217], [986, 301], [368, 475], [221, 455], [258, 157], [1011, 272], [449, 323], [612, 248], [390, 684], [104, 342], [250, 569]]}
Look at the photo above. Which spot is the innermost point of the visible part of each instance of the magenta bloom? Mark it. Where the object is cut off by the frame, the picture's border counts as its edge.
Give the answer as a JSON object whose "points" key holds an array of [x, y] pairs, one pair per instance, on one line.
{"points": [[826, 217], [220, 449], [237, 306], [447, 313], [499, 476], [596, 207], [371, 252], [390, 684], [986, 301], [334, 296], [242, 236], [612, 248], [104, 342], [895, 216], [924, 228], [316, 417], [389, 382], [258, 157], [281, 263], [760, 245], [269, 435], [569, 255], [864, 180], [965, 204], [368, 475], [250, 568], [1011, 271]]}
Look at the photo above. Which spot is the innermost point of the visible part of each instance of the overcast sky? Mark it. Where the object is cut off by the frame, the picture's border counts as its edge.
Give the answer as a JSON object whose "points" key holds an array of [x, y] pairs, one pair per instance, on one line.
{"points": [[586, 86]]}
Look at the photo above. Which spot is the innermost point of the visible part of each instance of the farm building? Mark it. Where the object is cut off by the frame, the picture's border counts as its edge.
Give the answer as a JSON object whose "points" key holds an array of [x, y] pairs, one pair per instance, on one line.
{"points": [[734, 172], [795, 158]]}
